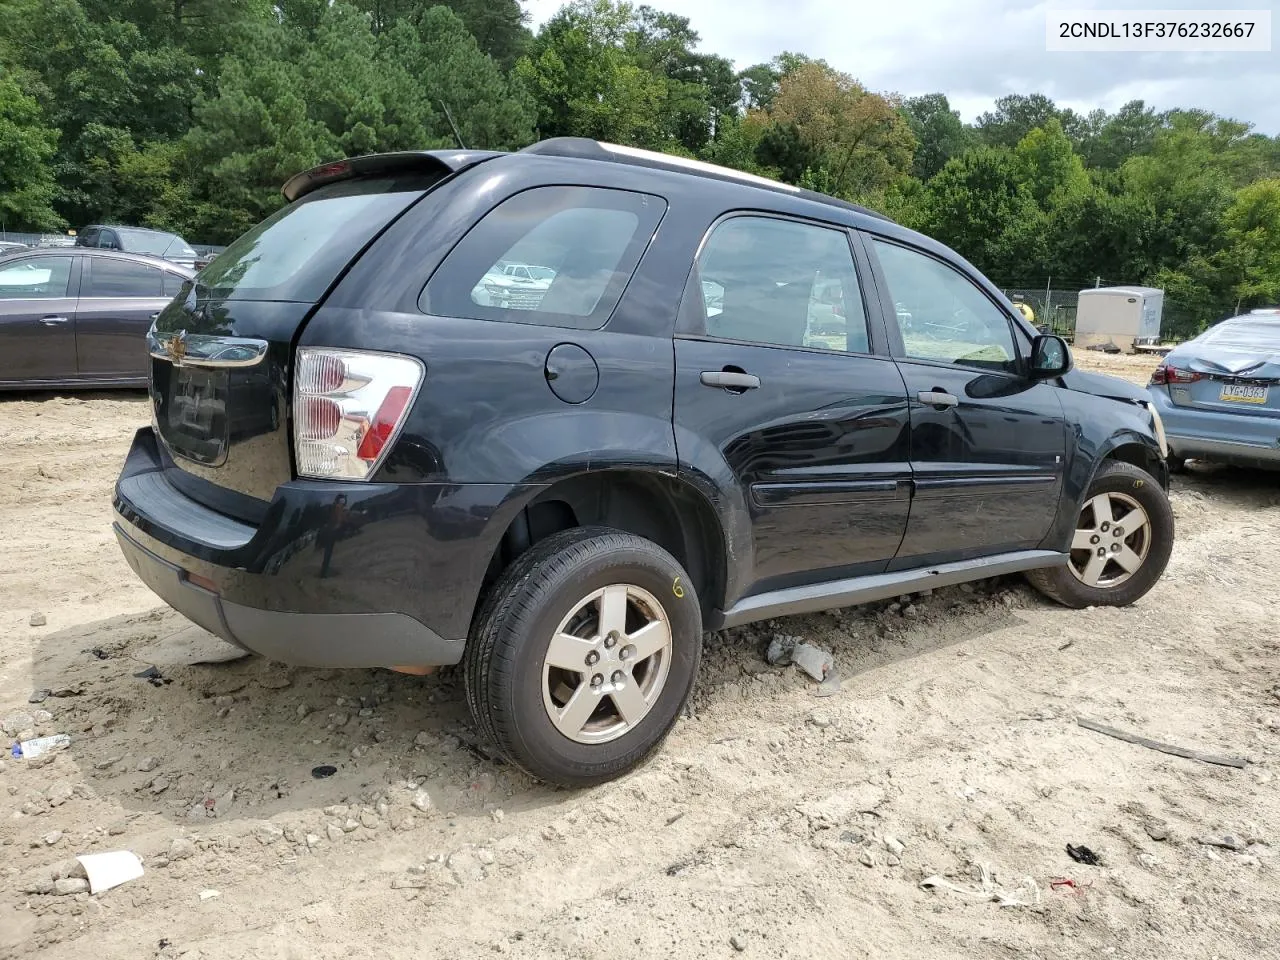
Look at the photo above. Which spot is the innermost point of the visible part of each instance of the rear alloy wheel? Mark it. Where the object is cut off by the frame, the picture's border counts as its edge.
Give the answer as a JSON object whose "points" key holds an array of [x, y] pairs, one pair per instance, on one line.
{"points": [[1121, 544], [607, 663], [584, 654]]}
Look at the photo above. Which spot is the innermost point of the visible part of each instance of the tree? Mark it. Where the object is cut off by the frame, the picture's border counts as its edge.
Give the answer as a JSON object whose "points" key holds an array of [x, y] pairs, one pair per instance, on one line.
{"points": [[1250, 259], [1014, 117], [860, 137], [498, 26], [1051, 169], [1131, 131], [939, 132], [27, 144], [979, 205], [588, 84]]}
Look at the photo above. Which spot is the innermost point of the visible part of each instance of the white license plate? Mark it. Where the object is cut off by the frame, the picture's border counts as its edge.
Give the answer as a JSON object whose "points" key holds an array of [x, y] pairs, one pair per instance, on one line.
{"points": [[1243, 393]]}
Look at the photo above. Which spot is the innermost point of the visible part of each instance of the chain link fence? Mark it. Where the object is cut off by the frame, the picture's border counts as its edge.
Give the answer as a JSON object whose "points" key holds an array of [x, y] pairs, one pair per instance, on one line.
{"points": [[1055, 302]]}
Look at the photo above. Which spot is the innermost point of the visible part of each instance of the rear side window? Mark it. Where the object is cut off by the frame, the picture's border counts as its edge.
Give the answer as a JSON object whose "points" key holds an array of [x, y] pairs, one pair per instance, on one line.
{"points": [[35, 278], [298, 251], [121, 278], [555, 256], [781, 282], [173, 284]]}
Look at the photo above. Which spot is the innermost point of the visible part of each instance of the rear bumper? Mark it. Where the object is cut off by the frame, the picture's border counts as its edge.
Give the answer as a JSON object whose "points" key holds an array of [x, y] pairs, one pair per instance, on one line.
{"points": [[1244, 439], [394, 583], [306, 639]]}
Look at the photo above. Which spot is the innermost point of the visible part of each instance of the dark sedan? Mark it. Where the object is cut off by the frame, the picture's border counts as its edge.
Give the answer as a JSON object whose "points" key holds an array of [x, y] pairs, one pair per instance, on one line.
{"points": [[77, 317]]}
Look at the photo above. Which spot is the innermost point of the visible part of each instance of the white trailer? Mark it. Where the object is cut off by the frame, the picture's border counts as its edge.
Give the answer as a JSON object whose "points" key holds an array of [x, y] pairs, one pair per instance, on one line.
{"points": [[1121, 316]]}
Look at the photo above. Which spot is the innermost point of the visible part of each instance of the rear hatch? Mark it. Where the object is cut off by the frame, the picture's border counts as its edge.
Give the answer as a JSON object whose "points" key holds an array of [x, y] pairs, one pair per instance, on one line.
{"points": [[1234, 368], [221, 353]]}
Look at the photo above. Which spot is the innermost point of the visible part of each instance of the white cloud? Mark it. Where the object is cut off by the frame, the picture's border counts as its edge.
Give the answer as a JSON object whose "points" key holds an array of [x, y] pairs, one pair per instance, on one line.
{"points": [[977, 50]]}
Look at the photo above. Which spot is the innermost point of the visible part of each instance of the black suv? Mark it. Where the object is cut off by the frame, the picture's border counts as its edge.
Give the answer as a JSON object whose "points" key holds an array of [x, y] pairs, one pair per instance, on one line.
{"points": [[714, 399]]}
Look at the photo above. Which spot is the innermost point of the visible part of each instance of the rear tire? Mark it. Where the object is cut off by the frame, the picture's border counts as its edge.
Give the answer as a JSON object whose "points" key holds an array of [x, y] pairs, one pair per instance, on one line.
{"points": [[1121, 543], [583, 655]]}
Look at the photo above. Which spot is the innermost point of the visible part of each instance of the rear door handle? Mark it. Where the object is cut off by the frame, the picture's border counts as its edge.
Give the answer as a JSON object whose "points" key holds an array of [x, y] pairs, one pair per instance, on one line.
{"points": [[730, 379], [52, 321], [938, 397]]}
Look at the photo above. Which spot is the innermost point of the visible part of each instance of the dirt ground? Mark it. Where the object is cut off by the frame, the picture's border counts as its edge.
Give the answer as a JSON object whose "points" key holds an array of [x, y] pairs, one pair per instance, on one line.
{"points": [[773, 824]]}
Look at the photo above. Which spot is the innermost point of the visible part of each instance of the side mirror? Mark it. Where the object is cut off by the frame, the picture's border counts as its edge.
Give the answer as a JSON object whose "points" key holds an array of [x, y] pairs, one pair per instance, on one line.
{"points": [[1050, 357]]}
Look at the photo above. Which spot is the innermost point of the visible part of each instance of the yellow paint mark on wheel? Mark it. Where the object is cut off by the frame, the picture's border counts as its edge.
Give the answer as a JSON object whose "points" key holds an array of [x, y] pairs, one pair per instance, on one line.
{"points": [[1138, 483], [676, 588]]}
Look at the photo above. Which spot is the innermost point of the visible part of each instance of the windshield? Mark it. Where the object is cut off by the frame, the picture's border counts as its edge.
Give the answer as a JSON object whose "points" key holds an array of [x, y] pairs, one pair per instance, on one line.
{"points": [[146, 241], [297, 252]]}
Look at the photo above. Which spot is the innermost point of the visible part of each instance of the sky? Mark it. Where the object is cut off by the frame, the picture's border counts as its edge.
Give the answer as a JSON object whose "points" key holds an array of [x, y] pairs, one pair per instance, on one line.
{"points": [[977, 50]]}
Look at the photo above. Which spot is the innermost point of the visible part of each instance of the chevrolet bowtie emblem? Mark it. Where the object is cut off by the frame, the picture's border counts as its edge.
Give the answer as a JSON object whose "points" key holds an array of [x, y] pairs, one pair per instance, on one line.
{"points": [[177, 347]]}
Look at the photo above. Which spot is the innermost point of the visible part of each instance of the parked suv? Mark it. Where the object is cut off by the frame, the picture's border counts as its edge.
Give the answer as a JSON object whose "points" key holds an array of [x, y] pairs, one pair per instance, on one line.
{"points": [[360, 460], [142, 240]]}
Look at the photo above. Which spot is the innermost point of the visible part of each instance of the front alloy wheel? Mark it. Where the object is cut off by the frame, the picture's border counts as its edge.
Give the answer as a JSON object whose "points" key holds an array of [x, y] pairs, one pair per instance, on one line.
{"points": [[1121, 543], [1111, 542]]}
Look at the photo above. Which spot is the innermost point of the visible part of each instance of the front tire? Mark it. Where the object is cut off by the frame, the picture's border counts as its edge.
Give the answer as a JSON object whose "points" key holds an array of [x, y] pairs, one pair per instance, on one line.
{"points": [[1121, 544], [583, 655]]}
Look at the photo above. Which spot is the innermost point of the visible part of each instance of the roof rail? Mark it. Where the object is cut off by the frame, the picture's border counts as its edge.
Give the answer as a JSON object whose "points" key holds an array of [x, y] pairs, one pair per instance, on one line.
{"points": [[585, 148]]}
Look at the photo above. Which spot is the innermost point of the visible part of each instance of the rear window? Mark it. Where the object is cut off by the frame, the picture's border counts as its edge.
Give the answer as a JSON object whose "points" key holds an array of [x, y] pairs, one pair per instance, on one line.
{"points": [[555, 256], [298, 251], [1246, 332]]}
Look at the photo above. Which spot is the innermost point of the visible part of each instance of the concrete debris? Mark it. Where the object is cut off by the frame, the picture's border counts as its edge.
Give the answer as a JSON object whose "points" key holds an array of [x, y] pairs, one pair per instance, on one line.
{"points": [[147, 764], [820, 719], [421, 801], [206, 895], [15, 723], [894, 845], [70, 885], [37, 619], [1227, 843], [814, 661], [779, 652], [181, 848], [1156, 830]]}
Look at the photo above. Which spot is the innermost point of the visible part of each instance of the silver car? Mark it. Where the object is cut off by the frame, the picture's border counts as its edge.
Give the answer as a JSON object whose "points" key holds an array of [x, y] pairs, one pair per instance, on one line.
{"points": [[1219, 394]]}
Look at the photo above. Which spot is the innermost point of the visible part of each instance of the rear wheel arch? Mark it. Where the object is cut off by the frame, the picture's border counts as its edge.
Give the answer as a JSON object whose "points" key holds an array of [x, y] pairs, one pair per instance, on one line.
{"points": [[656, 506]]}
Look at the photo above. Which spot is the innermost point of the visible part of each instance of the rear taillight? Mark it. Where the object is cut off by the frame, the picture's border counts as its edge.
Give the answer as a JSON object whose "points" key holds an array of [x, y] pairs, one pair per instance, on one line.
{"points": [[348, 408], [1167, 374]]}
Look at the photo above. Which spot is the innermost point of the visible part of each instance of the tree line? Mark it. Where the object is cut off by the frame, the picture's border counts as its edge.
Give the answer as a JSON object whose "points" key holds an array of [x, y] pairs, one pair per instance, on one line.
{"points": [[189, 114]]}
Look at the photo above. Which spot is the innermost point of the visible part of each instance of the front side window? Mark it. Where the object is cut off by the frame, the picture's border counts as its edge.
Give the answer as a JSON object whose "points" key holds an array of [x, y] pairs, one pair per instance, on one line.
{"points": [[765, 280], [35, 278], [557, 256], [122, 278], [942, 316]]}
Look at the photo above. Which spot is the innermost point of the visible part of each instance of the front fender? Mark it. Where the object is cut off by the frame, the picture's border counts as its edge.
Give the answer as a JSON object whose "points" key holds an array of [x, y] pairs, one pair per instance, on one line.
{"points": [[1102, 428]]}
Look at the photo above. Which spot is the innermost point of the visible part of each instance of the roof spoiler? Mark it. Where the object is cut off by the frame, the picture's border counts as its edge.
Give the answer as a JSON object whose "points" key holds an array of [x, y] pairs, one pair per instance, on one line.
{"points": [[378, 164]]}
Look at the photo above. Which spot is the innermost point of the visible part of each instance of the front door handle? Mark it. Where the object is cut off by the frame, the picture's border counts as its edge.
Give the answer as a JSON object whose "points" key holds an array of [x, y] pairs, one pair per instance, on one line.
{"points": [[937, 397], [52, 321], [730, 379]]}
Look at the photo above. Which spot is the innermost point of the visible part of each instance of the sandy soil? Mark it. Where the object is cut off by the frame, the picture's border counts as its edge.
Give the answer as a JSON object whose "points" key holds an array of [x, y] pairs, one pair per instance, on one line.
{"points": [[764, 826]]}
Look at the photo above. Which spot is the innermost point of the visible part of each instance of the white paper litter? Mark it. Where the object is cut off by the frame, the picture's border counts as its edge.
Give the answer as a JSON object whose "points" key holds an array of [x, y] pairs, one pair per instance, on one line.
{"points": [[987, 889], [107, 870]]}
